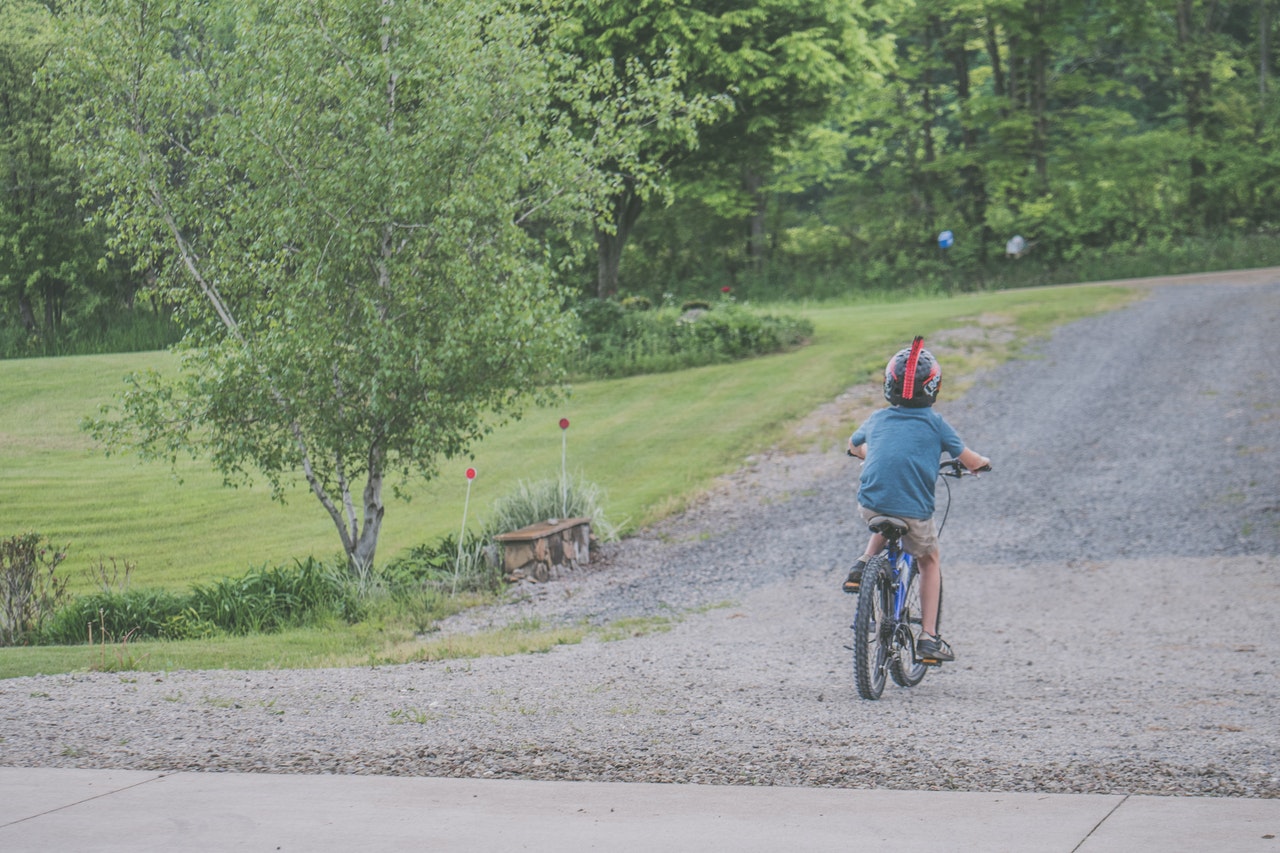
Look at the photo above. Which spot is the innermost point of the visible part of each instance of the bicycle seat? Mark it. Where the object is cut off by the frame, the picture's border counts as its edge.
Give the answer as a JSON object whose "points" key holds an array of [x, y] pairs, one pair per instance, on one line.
{"points": [[888, 525]]}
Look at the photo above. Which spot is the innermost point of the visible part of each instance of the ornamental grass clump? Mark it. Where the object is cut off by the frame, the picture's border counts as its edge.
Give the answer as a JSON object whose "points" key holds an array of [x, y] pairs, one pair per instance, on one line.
{"points": [[554, 497]]}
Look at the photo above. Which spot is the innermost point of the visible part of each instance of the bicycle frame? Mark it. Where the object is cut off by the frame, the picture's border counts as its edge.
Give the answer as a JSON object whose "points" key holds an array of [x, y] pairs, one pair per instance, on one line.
{"points": [[898, 559]]}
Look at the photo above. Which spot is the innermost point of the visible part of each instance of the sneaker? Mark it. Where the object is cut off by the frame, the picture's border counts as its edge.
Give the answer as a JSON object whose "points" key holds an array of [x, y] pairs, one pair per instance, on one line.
{"points": [[854, 580], [933, 649]]}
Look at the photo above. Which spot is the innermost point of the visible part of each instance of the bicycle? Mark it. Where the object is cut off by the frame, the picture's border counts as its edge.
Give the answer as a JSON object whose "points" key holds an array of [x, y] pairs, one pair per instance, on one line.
{"points": [[888, 621]]}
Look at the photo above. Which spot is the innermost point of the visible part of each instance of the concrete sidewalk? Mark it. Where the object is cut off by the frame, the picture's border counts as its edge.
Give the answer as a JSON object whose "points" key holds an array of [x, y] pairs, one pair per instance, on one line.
{"points": [[47, 810]]}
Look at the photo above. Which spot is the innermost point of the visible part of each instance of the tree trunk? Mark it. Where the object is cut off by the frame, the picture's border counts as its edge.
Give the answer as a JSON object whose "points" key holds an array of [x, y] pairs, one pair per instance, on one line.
{"points": [[926, 100], [973, 187], [28, 315], [997, 67], [1040, 99], [366, 545], [627, 206], [1264, 48], [757, 240], [1196, 91]]}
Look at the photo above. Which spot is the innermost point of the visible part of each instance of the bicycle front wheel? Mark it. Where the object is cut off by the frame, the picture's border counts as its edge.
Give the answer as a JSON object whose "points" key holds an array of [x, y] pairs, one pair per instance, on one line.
{"points": [[870, 649]]}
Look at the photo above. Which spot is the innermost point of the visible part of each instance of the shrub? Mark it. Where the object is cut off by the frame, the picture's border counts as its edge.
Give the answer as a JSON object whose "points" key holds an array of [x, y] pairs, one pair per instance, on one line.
{"points": [[441, 565], [30, 590], [111, 616], [263, 600], [636, 303], [272, 598], [106, 330], [625, 343]]}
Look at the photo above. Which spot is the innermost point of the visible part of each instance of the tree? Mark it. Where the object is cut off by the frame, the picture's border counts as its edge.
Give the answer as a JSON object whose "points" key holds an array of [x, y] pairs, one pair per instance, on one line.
{"points": [[46, 250], [779, 64], [336, 194]]}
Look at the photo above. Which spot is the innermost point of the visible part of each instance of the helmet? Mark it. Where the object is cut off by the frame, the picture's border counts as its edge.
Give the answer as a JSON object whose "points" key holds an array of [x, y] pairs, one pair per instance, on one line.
{"points": [[912, 377]]}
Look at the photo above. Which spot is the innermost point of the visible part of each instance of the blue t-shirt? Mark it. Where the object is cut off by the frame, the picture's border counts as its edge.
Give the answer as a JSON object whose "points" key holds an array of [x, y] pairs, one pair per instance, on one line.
{"points": [[904, 447]]}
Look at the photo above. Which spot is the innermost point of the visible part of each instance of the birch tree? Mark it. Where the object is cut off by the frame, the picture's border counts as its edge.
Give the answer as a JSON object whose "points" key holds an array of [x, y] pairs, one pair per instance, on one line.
{"points": [[338, 195]]}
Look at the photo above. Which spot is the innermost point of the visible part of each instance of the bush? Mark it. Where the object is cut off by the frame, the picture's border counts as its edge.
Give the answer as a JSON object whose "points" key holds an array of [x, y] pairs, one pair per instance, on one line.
{"points": [[263, 600], [135, 614], [30, 590], [625, 343], [442, 565], [269, 599], [104, 332]]}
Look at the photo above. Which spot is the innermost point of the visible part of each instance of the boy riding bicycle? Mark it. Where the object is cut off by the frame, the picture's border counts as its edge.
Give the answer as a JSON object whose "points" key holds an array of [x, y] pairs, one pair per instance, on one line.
{"points": [[900, 446]]}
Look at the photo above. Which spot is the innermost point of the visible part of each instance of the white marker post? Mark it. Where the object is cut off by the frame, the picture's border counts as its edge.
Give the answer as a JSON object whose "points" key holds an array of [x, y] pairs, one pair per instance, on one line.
{"points": [[462, 533], [564, 472]]}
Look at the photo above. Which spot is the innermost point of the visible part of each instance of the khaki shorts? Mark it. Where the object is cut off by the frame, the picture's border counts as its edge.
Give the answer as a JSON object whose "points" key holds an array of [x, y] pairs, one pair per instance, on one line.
{"points": [[922, 534]]}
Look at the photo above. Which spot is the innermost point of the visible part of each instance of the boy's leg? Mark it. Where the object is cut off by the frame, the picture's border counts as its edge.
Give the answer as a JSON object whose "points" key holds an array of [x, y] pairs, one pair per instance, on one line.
{"points": [[931, 648], [875, 545], [930, 567]]}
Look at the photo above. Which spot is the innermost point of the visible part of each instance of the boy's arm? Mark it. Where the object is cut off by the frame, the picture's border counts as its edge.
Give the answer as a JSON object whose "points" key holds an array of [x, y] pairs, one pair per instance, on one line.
{"points": [[858, 450], [973, 461]]}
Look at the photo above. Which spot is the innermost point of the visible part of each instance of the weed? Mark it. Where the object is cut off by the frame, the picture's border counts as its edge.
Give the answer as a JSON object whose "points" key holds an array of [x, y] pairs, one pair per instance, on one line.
{"points": [[114, 578], [636, 627], [400, 716], [122, 659]]}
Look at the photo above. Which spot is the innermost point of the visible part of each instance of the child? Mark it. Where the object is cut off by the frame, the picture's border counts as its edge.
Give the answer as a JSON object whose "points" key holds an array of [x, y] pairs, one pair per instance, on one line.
{"points": [[901, 447]]}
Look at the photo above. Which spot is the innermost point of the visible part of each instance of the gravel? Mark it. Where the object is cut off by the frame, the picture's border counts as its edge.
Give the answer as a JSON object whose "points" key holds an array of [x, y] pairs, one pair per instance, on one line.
{"points": [[1112, 594]]}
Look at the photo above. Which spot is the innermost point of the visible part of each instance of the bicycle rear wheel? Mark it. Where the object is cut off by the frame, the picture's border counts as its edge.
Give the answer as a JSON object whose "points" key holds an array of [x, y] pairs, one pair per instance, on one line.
{"points": [[870, 649]]}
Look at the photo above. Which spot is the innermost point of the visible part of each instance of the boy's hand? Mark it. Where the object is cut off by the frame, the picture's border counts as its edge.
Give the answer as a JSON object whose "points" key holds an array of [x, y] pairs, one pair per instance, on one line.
{"points": [[974, 461]]}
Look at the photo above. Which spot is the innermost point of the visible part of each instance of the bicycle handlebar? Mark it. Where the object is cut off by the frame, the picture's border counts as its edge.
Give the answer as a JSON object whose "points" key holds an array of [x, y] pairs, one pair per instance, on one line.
{"points": [[947, 467], [954, 468]]}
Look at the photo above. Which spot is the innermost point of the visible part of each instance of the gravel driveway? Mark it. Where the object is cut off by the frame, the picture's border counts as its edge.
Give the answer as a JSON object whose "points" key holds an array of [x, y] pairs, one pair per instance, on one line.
{"points": [[1112, 595]]}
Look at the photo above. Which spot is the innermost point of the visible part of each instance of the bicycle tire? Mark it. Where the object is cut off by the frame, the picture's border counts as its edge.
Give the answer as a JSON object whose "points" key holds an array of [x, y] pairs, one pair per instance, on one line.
{"points": [[903, 666], [869, 649]]}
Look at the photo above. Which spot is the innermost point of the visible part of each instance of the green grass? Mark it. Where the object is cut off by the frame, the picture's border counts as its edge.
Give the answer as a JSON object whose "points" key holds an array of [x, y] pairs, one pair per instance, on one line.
{"points": [[651, 442], [311, 648]]}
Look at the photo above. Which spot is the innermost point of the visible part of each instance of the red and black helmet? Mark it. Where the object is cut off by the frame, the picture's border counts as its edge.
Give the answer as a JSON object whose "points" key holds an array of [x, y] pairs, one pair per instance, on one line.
{"points": [[912, 377]]}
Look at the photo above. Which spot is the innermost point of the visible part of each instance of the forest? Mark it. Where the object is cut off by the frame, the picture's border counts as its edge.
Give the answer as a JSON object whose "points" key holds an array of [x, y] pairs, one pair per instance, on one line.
{"points": [[804, 149]]}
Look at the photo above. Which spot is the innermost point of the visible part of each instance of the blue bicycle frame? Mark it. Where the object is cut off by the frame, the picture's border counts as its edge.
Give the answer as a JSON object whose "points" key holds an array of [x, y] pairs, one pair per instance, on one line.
{"points": [[904, 565]]}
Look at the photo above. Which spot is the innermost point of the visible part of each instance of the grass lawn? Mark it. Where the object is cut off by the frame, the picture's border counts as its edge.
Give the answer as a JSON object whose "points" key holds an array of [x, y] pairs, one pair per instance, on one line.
{"points": [[651, 442]]}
